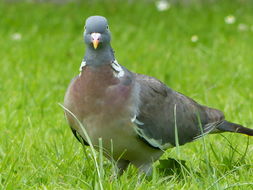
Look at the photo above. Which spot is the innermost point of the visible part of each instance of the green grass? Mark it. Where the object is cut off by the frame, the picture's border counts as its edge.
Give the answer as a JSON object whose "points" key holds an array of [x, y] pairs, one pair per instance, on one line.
{"points": [[37, 148]]}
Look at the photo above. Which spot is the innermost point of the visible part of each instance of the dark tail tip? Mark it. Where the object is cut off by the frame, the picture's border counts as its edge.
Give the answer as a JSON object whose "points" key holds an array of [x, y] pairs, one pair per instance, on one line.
{"points": [[227, 126]]}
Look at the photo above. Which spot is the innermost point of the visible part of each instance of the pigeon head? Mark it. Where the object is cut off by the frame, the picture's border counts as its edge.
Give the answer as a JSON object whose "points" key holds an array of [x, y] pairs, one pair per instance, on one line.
{"points": [[97, 34]]}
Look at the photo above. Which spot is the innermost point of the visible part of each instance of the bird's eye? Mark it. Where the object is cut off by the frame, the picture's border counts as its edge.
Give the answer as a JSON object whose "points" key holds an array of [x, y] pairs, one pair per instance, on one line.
{"points": [[107, 27]]}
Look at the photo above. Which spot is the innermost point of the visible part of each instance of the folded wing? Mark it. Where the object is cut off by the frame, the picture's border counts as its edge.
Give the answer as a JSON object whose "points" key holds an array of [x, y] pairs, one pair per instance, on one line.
{"points": [[163, 111]]}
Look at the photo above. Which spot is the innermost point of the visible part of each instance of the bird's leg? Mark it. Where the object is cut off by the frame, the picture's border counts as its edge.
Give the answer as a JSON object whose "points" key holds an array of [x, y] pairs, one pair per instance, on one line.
{"points": [[146, 169], [122, 166]]}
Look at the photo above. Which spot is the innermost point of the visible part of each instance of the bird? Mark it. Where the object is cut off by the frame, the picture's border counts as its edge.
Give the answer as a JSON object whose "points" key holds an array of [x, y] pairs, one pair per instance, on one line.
{"points": [[136, 117]]}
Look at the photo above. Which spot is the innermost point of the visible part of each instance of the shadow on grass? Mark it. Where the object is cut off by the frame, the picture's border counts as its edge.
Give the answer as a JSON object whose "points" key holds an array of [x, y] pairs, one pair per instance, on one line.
{"points": [[171, 166]]}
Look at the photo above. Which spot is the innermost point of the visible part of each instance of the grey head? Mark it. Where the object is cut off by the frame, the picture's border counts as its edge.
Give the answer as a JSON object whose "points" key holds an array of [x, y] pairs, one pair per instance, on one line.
{"points": [[97, 39], [97, 32]]}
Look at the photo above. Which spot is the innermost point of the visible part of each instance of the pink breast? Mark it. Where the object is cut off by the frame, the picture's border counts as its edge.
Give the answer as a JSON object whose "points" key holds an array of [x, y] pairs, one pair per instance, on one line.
{"points": [[98, 91]]}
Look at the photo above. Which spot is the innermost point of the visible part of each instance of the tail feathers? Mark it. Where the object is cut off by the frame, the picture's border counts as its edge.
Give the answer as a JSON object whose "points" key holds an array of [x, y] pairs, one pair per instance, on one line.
{"points": [[227, 126]]}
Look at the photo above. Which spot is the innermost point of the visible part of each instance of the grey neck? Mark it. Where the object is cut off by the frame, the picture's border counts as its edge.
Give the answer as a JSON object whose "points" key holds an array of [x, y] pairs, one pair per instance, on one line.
{"points": [[100, 56]]}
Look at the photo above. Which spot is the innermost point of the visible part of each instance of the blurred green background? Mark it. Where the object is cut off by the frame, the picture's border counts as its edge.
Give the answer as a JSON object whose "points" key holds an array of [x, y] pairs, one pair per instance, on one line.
{"points": [[200, 48]]}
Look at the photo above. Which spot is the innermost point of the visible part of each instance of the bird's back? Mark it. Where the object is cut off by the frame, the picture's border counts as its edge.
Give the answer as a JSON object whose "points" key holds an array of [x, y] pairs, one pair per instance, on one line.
{"points": [[162, 110]]}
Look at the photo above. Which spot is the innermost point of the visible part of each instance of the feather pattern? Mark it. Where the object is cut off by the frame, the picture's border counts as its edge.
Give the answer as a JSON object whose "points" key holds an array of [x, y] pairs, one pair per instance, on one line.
{"points": [[156, 112]]}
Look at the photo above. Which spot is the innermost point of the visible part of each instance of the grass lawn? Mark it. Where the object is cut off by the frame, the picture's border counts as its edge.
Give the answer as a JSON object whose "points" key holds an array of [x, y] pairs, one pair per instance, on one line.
{"points": [[42, 48]]}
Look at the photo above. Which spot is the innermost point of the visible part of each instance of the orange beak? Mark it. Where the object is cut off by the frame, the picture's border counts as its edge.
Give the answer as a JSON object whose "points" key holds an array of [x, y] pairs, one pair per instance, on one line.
{"points": [[95, 39]]}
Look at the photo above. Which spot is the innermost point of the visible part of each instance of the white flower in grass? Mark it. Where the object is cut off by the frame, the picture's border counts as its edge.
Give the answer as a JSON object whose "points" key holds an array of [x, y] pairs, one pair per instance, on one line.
{"points": [[162, 5], [243, 27], [16, 36], [230, 19], [194, 38]]}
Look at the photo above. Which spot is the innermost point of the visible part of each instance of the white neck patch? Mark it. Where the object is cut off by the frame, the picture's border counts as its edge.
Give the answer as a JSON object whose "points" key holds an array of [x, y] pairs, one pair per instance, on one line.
{"points": [[83, 64], [119, 72]]}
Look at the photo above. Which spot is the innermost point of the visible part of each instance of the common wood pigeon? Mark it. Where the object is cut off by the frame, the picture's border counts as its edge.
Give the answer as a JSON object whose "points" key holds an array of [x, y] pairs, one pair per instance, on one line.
{"points": [[135, 115]]}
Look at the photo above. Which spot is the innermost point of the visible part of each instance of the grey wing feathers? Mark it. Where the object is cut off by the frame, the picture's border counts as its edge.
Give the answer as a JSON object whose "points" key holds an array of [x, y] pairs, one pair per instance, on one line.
{"points": [[158, 113]]}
